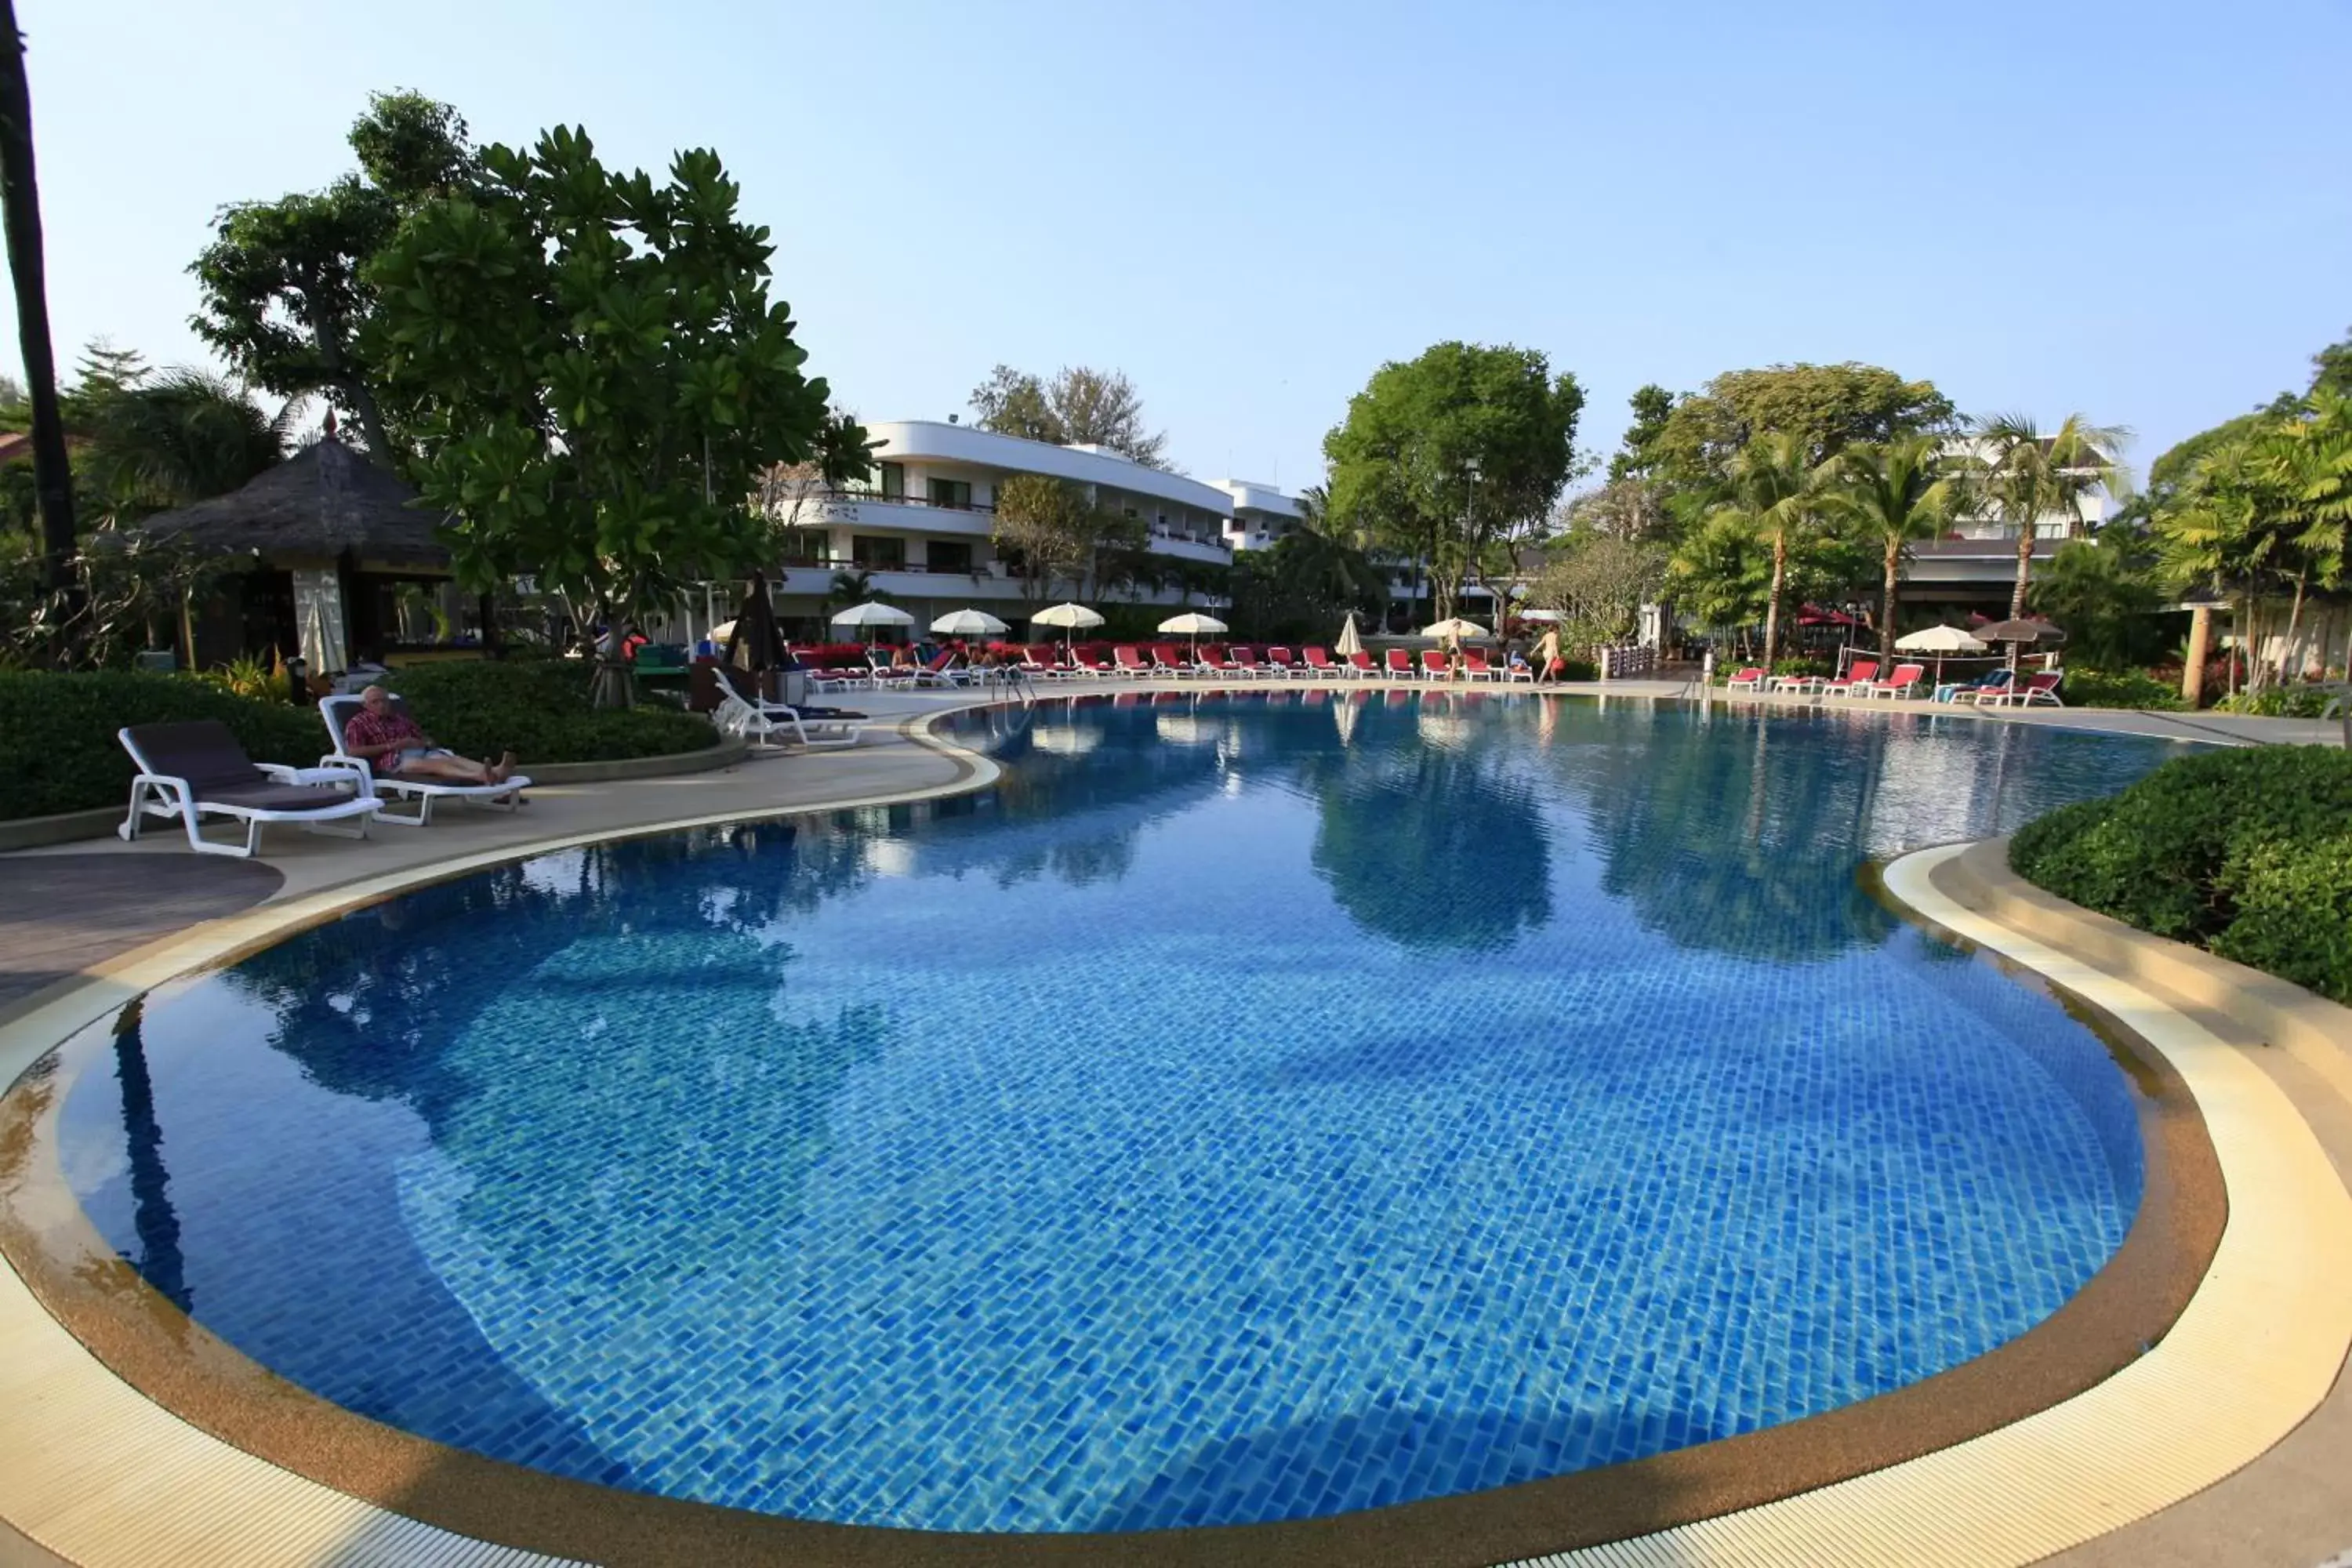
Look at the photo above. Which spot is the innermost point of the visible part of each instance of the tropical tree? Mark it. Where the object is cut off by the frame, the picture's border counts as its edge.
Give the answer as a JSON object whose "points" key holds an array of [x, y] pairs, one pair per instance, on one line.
{"points": [[2102, 592], [1304, 582], [283, 287], [1721, 574], [1775, 494], [2026, 475], [1637, 457], [1825, 407], [1047, 528], [1079, 406], [1892, 493], [179, 438], [595, 376], [20, 205], [1446, 456], [1600, 581]]}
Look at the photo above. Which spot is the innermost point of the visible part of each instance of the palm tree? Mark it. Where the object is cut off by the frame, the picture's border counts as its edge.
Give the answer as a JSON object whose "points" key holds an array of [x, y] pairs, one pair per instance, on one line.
{"points": [[1777, 495], [853, 588], [1893, 493], [185, 437], [2028, 476], [20, 200]]}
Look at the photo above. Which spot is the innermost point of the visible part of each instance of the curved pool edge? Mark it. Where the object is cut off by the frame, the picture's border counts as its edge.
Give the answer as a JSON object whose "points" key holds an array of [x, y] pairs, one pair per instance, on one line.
{"points": [[2260, 1346], [467, 1496]]}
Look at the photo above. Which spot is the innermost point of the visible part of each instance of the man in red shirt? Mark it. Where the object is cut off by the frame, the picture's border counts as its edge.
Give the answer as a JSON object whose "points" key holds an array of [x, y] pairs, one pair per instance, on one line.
{"points": [[389, 741]]}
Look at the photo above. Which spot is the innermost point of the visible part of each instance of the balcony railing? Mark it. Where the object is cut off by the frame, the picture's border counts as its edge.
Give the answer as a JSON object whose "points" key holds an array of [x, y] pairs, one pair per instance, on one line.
{"points": [[877, 497]]}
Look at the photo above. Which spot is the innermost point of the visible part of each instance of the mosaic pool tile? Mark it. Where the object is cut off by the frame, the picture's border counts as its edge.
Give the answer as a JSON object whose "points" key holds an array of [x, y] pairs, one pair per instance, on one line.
{"points": [[1265, 1109]]}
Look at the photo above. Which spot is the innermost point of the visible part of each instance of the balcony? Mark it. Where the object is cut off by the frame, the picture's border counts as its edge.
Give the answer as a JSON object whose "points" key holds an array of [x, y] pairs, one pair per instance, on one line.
{"points": [[1184, 547], [870, 510]]}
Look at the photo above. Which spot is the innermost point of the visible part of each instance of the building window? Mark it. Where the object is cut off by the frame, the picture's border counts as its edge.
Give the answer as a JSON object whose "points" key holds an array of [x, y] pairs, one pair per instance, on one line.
{"points": [[804, 546], [894, 481], [878, 554], [956, 493], [949, 555]]}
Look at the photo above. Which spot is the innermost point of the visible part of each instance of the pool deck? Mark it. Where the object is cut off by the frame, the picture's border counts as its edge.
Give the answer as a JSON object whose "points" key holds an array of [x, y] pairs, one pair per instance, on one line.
{"points": [[2249, 1471]]}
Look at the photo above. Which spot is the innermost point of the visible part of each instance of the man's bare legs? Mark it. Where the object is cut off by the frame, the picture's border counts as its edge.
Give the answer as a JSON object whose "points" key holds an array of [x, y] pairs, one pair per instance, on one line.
{"points": [[457, 769]]}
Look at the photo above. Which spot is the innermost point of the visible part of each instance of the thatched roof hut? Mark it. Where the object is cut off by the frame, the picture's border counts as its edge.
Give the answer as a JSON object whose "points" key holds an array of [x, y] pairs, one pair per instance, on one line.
{"points": [[323, 506]]}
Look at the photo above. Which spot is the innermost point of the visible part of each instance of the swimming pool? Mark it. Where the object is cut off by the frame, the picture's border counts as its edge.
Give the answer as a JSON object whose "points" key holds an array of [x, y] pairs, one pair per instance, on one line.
{"points": [[1248, 1108]]}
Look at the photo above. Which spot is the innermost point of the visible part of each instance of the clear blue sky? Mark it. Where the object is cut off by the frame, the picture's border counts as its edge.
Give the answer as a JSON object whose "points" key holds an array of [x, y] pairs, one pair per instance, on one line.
{"points": [[2140, 211]]}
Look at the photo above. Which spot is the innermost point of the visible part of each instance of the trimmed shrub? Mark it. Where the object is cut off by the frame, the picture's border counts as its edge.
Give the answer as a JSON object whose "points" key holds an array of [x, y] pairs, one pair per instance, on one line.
{"points": [[1578, 670], [537, 708], [2120, 689], [2244, 852], [58, 750], [2294, 915]]}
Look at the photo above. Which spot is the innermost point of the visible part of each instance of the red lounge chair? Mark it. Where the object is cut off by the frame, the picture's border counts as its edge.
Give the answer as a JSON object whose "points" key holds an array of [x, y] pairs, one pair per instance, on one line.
{"points": [[1216, 663], [1167, 660], [1435, 665], [2038, 688], [1399, 664], [1130, 660], [1751, 677], [1279, 662], [1475, 665], [1905, 679], [1854, 681], [1359, 664], [1319, 663], [1245, 661]]}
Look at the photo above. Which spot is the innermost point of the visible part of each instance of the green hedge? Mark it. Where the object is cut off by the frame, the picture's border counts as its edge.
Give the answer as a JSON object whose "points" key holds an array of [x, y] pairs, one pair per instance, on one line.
{"points": [[2247, 852], [58, 750], [2118, 689], [538, 709]]}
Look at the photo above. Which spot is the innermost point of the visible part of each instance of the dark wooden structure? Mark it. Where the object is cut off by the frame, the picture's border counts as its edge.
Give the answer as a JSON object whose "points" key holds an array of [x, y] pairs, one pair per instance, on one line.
{"points": [[327, 512]]}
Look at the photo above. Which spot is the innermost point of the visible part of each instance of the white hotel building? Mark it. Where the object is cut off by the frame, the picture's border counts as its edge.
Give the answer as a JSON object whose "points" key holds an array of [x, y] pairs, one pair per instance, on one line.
{"points": [[921, 526]]}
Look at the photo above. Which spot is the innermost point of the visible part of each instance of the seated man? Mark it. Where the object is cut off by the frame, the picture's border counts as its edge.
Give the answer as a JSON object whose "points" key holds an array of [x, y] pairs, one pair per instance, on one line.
{"points": [[389, 741]]}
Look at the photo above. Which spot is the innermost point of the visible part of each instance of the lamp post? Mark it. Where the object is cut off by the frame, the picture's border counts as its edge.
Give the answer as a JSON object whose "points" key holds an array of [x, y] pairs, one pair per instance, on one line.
{"points": [[1469, 508]]}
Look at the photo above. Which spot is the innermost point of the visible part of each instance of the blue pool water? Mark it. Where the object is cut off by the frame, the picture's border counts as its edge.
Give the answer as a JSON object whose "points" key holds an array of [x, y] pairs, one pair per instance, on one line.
{"points": [[1247, 1110]]}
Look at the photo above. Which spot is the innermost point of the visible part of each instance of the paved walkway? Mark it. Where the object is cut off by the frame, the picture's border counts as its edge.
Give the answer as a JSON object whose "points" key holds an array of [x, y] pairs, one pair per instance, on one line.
{"points": [[59, 913]]}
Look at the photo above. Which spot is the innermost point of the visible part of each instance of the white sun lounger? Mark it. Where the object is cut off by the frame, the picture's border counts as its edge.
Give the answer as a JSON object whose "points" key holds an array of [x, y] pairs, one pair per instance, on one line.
{"points": [[188, 771], [771, 726], [337, 713]]}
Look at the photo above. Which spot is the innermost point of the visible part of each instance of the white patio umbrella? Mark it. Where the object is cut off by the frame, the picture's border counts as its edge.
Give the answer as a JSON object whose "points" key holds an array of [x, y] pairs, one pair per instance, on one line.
{"points": [[1939, 641], [1070, 618], [1073, 617], [870, 614], [1456, 628], [1349, 644], [970, 624], [1193, 624]]}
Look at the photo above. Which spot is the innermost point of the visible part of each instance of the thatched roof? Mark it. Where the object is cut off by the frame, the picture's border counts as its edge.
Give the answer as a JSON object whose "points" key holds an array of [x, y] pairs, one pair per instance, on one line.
{"points": [[310, 509]]}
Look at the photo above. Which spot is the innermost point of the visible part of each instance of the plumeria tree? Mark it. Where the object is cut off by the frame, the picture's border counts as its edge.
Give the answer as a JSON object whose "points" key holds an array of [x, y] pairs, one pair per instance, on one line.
{"points": [[595, 376]]}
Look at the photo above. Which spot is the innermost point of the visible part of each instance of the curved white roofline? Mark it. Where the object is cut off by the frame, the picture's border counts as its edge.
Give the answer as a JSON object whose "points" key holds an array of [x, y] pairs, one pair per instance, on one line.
{"points": [[921, 439], [1259, 498]]}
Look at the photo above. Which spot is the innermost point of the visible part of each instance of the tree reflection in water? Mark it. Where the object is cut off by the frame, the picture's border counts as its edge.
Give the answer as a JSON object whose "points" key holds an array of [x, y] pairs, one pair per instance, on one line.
{"points": [[1745, 848]]}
